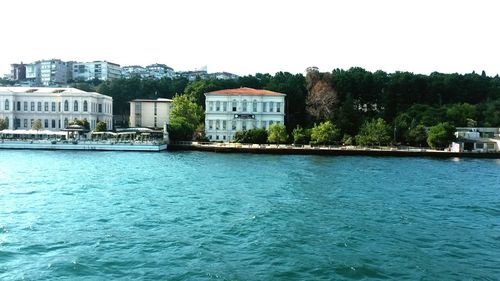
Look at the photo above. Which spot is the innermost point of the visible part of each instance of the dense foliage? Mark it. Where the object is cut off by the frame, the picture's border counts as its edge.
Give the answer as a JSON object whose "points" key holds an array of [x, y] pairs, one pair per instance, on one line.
{"points": [[325, 133], [441, 135], [277, 134], [3, 124], [258, 136], [186, 116]]}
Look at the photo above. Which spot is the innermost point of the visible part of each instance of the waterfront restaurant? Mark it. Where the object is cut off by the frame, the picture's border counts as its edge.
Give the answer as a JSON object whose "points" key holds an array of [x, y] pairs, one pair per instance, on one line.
{"points": [[231, 110]]}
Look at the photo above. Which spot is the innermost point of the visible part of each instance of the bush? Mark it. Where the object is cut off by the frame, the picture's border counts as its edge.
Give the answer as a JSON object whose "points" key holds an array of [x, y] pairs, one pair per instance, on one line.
{"points": [[301, 135], [258, 136], [325, 133], [277, 134], [373, 132], [441, 135]]}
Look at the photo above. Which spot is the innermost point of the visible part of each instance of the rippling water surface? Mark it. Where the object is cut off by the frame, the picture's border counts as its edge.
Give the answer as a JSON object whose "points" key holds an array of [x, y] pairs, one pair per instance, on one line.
{"points": [[207, 216]]}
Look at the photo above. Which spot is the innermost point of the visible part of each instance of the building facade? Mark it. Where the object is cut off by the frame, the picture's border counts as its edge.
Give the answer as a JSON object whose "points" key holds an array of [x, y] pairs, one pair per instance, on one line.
{"points": [[55, 107], [150, 113], [476, 139], [232, 110], [101, 70], [17, 71], [55, 72], [159, 71]]}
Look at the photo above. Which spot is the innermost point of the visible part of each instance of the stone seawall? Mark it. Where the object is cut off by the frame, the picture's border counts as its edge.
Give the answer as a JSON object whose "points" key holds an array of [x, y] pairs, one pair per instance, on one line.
{"points": [[338, 151]]}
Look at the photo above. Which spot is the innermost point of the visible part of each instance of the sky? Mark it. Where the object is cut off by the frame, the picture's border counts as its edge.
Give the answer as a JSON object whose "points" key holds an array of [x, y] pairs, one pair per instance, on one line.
{"points": [[257, 36]]}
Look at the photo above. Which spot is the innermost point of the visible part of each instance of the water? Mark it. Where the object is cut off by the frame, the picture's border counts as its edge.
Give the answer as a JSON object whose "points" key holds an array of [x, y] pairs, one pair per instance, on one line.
{"points": [[207, 216]]}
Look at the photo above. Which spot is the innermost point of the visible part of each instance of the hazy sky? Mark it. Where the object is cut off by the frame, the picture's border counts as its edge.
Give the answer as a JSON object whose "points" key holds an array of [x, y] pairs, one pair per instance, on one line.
{"points": [[245, 37]]}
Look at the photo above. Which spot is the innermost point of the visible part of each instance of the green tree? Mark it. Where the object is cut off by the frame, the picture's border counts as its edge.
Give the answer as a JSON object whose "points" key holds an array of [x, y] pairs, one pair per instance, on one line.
{"points": [[258, 136], [325, 133], [460, 113], [441, 135], [185, 117], [100, 126], [37, 125], [277, 134], [417, 136], [81, 122], [373, 132], [3, 124], [301, 135]]}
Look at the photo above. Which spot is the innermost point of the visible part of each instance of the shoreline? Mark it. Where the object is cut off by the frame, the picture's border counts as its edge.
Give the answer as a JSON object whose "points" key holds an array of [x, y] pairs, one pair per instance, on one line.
{"points": [[326, 151]]}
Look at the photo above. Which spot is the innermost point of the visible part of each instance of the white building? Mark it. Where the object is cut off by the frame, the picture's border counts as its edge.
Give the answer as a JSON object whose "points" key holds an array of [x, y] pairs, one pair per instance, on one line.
{"points": [[159, 71], [134, 71], [150, 113], [476, 139], [55, 72], [232, 110], [55, 107], [101, 70], [33, 73]]}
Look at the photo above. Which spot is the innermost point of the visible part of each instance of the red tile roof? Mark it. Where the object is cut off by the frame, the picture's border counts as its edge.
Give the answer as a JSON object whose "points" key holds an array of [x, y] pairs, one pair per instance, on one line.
{"points": [[245, 91]]}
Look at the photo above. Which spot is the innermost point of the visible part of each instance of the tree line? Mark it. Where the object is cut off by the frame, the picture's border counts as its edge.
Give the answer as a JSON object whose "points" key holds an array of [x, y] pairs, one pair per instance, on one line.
{"points": [[355, 102]]}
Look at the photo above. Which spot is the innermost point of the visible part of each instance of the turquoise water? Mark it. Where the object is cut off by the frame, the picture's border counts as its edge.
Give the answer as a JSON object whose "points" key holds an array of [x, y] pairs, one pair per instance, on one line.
{"points": [[208, 216]]}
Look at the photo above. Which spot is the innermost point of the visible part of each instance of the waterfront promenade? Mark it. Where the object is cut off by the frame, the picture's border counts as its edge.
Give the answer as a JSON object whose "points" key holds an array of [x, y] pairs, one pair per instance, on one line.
{"points": [[325, 150]]}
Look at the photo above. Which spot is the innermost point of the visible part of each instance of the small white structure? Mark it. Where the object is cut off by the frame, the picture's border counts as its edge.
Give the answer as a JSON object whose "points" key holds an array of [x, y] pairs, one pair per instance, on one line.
{"points": [[231, 110], [476, 140], [54, 107], [150, 113]]}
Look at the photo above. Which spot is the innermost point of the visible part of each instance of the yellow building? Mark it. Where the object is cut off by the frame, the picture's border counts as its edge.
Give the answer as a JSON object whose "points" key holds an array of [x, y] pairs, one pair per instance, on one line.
{"points": [[150, 113]]}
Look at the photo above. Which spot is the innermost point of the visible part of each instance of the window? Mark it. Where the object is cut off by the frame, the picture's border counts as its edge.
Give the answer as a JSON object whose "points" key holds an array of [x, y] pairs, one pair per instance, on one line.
{"points": [[224, 106], [85, 106], [210, 124], [270, 123], [7, 120], [244, 105], [46, 106], [244, 125], [223, 124], [25, 106], [75, 106], [233, 125], [210, 106], [32, 106], [46, 123], [156, 109], [235, 104], [263, 124], [66, 105], [6, 106], [18, 106], [100, 108], [217, 124], [217, 106], [254, 106], [264, 105], [65, 122], [25, 123], [53, 106], [479, 146], [271, 106], [39, 106], [155, 121], [278, 107], [53, 123]]}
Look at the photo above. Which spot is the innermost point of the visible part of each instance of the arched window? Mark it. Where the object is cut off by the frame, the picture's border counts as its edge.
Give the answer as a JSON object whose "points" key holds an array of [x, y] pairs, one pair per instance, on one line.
{"points": [[6, 104], [254, 106], [75, 106], [85, 106], [244, 105], [66, 105], [235, 104]]}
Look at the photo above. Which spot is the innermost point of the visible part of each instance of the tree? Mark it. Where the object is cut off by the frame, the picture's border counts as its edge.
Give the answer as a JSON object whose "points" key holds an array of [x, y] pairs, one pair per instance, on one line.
{"points": [[277, 134], [258, 136], [417, 136], [373, 132], [185, 117], [81, 122], [3, 124], [301, 135], [441, 135], [322, 97], [325, 133], [100, 126], [459, 114], [37, 125]]}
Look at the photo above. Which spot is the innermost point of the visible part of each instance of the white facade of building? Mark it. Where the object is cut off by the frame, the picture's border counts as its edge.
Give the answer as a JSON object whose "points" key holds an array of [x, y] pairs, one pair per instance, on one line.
{"points": [[55, 107], [101, 70], [150, 113], [476, 139], [54, 72], [33, 72], [232, 110]]}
